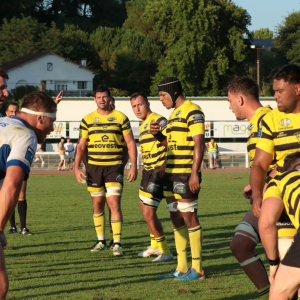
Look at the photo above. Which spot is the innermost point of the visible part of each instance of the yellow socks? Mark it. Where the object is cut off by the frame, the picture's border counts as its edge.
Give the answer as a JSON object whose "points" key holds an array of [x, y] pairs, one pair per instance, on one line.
{"points": [[181, 240], [99, 221], [195, 235], [264, 293], [162, 244], [116, 227], [154, 244]]}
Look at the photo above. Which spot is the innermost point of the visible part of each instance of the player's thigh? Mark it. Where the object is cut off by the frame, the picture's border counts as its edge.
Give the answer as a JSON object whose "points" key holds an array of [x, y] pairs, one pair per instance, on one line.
{"points": [[287, 282], [95, 182], [113, 179], [151, 190]]}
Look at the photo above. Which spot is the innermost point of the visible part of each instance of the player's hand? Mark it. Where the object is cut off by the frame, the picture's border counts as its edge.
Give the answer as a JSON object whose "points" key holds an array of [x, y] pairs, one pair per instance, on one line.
{"points": [[78, 175], [154, 127], [161, 171], [272, 273], [132, 174], [248, 192], [256, 206], [194, 183], [59, 97], [3, 240]]}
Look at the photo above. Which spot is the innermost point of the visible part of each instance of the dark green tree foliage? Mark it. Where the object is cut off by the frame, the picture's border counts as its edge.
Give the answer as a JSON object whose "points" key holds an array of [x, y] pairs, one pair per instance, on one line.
{"points": [[26, 35], [204, 42], [262, 33], [128, 58], [287, 39]]}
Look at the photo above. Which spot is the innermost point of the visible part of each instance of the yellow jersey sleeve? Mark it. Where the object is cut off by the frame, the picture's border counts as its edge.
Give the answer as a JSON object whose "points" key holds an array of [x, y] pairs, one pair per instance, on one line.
{"points": [[265, 137], [83, 129], [126, 127], [195, 122], [273, 190]]}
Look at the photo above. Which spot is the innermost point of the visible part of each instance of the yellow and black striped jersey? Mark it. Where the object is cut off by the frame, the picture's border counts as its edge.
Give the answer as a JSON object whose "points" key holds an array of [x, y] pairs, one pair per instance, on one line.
{"points": [[286, 187], [154, 153], [184, 122], [279, 135], [105, 137], [253, 129]]}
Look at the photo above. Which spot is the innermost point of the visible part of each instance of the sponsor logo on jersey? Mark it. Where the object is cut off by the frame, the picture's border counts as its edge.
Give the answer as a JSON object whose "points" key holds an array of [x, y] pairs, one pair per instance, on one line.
{"points": [[108, 146], [104, 127], [197, 117], [250, 126], [285, 122], [119, 178], [178, 113], [94, 184], [97, 119], [259, 132], [163, 124], [179, 187], [29, 155], [281, 134], [127, 125], [111, 119], [105, 138], [297, 135], [145, 126]]}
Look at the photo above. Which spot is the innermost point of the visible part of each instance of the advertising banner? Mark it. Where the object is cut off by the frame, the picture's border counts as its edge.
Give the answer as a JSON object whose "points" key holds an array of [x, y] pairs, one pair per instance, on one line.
{"points": [[59, 131], [74, 130], [231, 129], [207, 129]]}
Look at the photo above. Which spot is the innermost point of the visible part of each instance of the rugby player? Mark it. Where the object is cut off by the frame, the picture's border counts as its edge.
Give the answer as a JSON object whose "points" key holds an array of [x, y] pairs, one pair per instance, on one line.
{"points": [[185, 147], [12, 110], [282, 194], [17, 151], [103, 133], [279, 132], [243, 97], [151, 188]]}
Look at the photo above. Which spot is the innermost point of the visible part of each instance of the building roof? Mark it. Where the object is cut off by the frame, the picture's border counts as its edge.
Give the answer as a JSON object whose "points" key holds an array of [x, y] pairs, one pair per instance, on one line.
{"points": [[262, 42], [32, 57]]}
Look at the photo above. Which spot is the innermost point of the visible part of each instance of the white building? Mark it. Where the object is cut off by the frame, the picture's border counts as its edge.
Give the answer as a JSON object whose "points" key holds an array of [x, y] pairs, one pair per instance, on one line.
{"points": [[49, 71]]}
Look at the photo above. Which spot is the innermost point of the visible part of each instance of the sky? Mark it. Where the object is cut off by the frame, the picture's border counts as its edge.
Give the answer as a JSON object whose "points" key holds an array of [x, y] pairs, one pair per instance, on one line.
{"points": [[268, 13]]}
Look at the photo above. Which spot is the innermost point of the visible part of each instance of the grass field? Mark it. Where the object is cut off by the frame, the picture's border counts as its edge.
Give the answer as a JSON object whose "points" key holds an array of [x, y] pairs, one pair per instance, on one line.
{"points": [[56, 262]]}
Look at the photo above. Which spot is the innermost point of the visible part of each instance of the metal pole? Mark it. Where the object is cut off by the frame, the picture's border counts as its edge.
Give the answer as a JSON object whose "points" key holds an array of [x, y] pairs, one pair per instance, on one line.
{"points": [[258, 58]]}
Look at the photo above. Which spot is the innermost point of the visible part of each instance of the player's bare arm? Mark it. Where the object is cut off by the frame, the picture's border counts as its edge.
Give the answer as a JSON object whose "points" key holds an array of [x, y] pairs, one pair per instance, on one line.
{"points": [[258, 176], [155, 131], [81, 146], [132, 175], [9, 194], [199, 149], [270, 213], [59, 97]]}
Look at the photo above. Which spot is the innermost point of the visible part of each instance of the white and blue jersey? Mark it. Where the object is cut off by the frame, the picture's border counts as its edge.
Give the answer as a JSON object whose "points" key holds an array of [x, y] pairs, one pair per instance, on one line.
{"points": [[17, 145]]}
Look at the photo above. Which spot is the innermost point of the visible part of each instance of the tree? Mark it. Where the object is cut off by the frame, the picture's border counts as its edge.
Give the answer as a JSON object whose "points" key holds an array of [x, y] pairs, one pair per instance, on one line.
{"points": [[262, 33], [203, 40], [128, 59], [287, 39]]}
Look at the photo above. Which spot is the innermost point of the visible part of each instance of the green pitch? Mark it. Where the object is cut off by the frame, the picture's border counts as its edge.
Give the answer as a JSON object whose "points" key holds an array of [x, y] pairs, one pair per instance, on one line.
{"points": [[56, 262]]}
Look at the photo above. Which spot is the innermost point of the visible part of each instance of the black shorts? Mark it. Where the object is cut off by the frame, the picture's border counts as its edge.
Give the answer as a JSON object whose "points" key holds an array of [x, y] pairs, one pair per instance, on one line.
{"points": [[292, 257], [151, 188], [177, 185], [98, 177]]}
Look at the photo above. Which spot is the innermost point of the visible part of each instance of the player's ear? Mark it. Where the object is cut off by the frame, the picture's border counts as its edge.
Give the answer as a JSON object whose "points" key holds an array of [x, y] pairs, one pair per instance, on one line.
{"points": [[241, 100], [297, 89], [40, 119]]}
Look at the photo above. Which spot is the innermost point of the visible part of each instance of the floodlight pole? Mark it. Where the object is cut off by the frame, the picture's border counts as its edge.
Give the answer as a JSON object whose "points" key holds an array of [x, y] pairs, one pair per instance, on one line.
{"points": [[258, 64]]}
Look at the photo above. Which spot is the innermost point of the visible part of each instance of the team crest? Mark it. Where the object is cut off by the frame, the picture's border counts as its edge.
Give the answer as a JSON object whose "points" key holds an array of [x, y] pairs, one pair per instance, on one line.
{"points": [[104, 127], [178, 113], [250, 127], [179, 188], [285, 122], [97, 120], [119, 178], [152, 188], [197, 117], [163, 123], [145, 126]]}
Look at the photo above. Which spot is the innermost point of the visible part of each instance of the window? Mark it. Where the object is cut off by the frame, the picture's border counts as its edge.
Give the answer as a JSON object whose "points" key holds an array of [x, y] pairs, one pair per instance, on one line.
{"points": [[49, 66], [82, 85], [61, 85]]}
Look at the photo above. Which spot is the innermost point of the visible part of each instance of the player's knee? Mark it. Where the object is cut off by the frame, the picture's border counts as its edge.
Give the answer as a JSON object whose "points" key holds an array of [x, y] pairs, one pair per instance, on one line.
{"points": [[187, 206]]}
